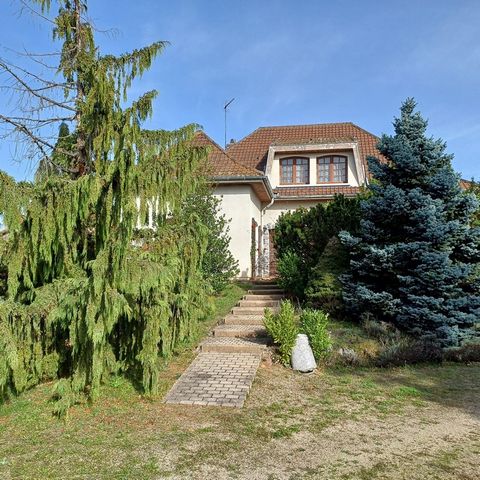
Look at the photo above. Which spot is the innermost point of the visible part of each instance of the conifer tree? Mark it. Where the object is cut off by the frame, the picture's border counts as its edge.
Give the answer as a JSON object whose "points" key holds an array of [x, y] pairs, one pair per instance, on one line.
{"points": [[83, 299], [415, 260]]}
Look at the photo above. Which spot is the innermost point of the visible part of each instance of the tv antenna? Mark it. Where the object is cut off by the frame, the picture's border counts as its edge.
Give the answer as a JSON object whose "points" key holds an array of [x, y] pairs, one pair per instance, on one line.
{"points": [[225, 110]]}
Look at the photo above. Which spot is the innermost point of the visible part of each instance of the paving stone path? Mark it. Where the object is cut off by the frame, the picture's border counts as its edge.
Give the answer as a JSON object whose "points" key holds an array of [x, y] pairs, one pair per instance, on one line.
{"points": [[223, 372]]}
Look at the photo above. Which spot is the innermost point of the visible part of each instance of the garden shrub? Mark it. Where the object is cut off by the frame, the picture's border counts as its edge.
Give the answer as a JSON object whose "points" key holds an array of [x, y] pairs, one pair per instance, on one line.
{"points": [[383, 331], [292, 274], [324, 290], [301, 238], [218, 266], [407, 351], [283, 328], [470, 352], [314, 323]]}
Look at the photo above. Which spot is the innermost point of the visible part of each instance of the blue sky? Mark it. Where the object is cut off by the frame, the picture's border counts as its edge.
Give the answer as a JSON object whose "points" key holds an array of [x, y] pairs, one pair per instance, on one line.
{"points": [[291, 62]]}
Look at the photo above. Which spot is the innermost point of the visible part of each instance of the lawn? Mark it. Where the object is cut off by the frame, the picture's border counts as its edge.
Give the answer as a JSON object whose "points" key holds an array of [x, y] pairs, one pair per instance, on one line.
{"points": [[345, 423]]}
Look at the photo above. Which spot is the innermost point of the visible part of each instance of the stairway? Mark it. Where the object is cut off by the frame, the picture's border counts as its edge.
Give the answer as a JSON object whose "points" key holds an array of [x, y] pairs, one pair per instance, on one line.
{"points": [[223, 372], [243, 330]]}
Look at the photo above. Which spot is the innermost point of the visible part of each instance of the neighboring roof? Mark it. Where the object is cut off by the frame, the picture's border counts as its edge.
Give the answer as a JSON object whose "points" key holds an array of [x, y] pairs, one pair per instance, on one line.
{"points": [[220, 162], [252, 150], [466, 184], [315, 191]]}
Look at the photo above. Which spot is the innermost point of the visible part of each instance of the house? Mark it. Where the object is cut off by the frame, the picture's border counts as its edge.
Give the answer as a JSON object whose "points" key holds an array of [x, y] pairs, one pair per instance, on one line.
{"points": [[279, 169]]}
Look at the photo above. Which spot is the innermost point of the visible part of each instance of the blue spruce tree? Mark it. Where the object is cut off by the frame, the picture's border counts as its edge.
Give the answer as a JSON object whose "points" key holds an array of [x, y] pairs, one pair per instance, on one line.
{"points": [[415, 260]]}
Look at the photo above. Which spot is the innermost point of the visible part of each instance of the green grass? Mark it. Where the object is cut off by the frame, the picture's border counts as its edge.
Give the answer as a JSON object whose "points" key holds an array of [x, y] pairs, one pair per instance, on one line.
{"points": [[127, 436]]}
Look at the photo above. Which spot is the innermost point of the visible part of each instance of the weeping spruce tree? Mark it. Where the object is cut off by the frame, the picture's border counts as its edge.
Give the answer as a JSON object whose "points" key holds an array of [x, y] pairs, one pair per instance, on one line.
{"points": [[89, 294], [415, 260]]}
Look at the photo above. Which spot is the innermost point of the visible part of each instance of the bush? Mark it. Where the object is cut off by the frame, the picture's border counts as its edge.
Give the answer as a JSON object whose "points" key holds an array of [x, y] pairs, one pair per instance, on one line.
{"points": [[283, 328], [219, 266], [292, 274], [408, 352], [467, 353], [314, 323], [301, 238], [383, 331], [324, 290]]}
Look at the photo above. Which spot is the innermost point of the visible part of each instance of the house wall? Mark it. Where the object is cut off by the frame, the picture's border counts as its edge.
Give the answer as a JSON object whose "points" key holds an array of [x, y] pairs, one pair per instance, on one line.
{"points": [[352, 171], [271, 215], [240, 204]]}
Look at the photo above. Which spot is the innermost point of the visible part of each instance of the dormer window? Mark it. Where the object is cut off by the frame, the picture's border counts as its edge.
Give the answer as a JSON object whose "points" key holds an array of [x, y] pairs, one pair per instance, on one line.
{"points": [[294, 171], [332, 169]]}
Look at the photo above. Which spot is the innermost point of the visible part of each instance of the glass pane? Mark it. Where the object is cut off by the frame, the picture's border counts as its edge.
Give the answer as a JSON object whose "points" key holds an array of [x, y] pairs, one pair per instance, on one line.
{"points": [[301, 173], [323, 170], [287, 173], [340, 169]]}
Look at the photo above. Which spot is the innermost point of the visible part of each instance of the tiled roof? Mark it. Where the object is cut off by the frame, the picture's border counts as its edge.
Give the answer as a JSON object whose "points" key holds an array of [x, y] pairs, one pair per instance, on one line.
{"points": [[221, 164], [252, 150], [316, 191], [466, 184]]}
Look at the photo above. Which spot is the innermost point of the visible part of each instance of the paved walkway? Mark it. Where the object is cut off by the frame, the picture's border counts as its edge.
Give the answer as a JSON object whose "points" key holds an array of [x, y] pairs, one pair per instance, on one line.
{"points": [[223, 372]]}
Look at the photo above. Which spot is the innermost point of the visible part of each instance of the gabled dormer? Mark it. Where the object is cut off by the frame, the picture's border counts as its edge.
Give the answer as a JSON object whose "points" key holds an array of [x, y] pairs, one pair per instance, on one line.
{"points": [[321, 162]]}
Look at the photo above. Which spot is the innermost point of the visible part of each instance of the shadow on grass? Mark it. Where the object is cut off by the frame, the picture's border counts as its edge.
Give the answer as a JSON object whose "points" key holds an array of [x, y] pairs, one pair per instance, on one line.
{"points": [[449, 384]]}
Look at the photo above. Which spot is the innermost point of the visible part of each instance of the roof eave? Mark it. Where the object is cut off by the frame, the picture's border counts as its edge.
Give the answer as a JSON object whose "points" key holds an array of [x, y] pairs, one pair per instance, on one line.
{"points": [[225, 179], [313, 197]]}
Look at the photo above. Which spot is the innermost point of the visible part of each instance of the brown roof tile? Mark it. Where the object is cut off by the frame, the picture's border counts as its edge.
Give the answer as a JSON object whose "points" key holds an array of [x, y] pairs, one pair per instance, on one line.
{"points": [[316, 191], [221, 164], [252, 150]]}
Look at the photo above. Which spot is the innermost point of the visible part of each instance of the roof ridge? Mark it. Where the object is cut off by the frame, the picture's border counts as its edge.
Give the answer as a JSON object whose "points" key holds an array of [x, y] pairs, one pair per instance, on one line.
{"points": [[306, 125], [299, 126], [236, 162], [363, 130], [210, 139]]}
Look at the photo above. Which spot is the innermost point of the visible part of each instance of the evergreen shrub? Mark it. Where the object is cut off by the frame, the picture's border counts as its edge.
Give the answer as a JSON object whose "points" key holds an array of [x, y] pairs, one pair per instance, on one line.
{"points": [[283, 328], [324, 290], [292, 274], [218, 266], [301, 238], [314, 324]]}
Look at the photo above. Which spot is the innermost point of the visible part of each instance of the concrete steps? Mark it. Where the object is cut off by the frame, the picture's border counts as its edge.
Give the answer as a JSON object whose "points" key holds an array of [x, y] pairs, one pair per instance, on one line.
{"points": [[251, 310], [258, 303], [243, 330], [233, 345], [243, 319], [266, 291], [223, 372], [274, 296]]}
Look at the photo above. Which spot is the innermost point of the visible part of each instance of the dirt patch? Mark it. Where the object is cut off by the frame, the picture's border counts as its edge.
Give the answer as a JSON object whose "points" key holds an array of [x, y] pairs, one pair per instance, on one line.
{"points": [[351, 426]]}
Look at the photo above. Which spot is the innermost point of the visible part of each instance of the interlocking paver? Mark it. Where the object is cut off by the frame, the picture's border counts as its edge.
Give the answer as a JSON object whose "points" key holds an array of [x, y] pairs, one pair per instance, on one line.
{"points": [[195, 387], [223, 372]]}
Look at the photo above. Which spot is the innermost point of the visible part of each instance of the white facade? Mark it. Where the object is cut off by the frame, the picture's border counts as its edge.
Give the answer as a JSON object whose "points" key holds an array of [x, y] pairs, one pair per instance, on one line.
{"points": [[240, 202]]}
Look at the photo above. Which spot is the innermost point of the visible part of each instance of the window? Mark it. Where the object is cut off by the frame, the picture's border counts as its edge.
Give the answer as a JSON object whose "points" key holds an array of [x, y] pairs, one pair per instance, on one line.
{"points": [[332, 169], [294, 171]]}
